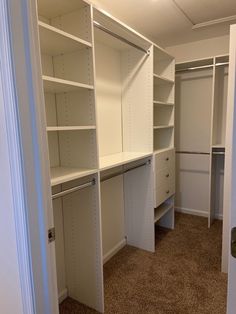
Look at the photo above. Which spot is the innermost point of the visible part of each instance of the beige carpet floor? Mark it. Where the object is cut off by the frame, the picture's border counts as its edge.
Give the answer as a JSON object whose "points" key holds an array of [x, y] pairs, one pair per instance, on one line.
{"points": [[181, 277]]}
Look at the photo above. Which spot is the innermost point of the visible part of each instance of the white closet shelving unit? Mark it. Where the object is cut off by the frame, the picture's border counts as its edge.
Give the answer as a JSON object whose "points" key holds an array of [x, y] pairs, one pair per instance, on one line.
{"points": [[101, 81], [163, 135], [218, 136], [67, 58], [205, 81]]}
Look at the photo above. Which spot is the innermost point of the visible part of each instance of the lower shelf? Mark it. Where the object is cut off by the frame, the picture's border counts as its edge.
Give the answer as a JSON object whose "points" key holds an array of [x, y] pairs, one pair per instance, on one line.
{"points": [[161, 211], [61, 175]]}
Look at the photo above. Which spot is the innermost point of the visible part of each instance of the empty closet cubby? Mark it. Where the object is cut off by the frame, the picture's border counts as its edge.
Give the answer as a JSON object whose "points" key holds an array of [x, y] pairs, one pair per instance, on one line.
{"points": [[70, 18], [163, 115], [164, 214], [164, 65]]}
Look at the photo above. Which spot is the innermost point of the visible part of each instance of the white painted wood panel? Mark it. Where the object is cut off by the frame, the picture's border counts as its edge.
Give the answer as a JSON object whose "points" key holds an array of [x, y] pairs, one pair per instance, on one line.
{"points": [[192, 183], [137, 101], [109, 110], [193, 111], [83, 254], [113, 211], [139, 207], [59, 246]]}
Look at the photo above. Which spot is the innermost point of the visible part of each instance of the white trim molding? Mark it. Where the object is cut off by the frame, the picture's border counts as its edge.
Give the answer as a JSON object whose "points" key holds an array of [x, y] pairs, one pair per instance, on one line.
{"points": [[191, 211], [9, 120], [27, 145]]}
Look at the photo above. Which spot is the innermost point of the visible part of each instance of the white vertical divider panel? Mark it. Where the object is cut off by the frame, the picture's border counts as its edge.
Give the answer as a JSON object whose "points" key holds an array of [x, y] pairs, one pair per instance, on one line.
{"points": [[83, 248], [211, 214], [60, 249], [139, 207], [113, 230], [137, 109], [137, 101]]}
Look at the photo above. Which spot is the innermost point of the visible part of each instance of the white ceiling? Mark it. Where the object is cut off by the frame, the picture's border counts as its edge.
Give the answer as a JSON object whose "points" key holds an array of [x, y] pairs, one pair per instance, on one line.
{"points": [[164, 23]]}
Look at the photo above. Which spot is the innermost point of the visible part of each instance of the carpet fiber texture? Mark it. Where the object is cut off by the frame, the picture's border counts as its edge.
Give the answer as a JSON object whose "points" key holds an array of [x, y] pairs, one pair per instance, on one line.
{"points": [[182, 277]]}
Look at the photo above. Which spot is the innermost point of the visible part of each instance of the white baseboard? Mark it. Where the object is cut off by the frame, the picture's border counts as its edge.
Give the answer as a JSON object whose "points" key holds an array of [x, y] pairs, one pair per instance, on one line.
{"points": [[114, 250], [191, 211], [62, 295], [196, 212]]}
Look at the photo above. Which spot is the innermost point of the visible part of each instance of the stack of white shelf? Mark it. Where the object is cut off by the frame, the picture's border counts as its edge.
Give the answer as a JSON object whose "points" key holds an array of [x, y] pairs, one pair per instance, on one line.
{"points": [[164, 73], [68, 81]]}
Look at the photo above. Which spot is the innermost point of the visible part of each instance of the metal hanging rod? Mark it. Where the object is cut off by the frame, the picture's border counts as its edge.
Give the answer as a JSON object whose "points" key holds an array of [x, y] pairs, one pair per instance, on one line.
{"points": [[194, 68], [113, 175], [74, 189], [106, 30], [191, 153], [221, 63], [201, 67], [218, 153]]}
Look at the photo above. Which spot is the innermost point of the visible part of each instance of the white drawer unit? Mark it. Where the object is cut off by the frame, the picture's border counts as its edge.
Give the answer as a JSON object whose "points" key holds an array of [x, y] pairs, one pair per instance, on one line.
{"points": [[165, 185], [164, 176]]}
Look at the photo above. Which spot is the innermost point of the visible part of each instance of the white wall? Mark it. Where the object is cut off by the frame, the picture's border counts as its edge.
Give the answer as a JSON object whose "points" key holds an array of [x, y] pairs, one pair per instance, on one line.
{"points": [[200, 49]]}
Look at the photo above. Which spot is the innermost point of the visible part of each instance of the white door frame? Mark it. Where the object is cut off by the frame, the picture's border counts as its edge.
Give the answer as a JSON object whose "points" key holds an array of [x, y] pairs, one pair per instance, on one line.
{"points": [[27, 272], [230, 176]]}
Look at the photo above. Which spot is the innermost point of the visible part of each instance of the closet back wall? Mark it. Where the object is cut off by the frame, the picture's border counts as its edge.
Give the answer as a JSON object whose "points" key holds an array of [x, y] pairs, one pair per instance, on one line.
{"points": [[200, 49]]}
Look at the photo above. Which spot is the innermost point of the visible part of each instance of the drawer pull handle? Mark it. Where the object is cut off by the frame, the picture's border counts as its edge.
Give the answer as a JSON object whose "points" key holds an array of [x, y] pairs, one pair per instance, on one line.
{"points": [[167, 159], [167, 175], [168, 192]]}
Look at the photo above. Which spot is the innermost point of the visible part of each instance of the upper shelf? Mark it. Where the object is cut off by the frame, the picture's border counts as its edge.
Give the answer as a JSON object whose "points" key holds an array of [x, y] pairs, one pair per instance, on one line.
{"points": [[159, 80], [70, 128], [54, 41], [119, 159], [56, 85], [159, 127], [54, 8], [162, 103]]}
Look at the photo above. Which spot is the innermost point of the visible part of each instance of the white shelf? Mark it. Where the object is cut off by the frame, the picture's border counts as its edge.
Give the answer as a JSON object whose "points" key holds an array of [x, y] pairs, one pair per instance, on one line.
{"points": [[162, 150], [162, 80], [70, 128], [161, 211], [56, 85], [61, 175], [162, 103], [54, 41], [160, 127], [120, 159]]}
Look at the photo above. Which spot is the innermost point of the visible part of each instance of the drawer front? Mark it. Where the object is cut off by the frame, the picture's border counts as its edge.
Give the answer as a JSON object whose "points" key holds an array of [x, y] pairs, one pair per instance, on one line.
{"points": [[165, 159], [165, 184]]}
